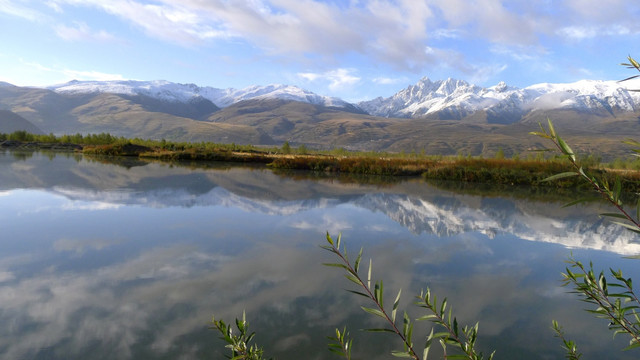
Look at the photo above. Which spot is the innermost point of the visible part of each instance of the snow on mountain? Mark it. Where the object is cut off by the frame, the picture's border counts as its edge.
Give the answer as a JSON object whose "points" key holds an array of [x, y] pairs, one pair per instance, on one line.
{"points": [[286, 92], [185, 93], [443, 216], [159, 89], [446, 99], [446, 216], [456, 99]]}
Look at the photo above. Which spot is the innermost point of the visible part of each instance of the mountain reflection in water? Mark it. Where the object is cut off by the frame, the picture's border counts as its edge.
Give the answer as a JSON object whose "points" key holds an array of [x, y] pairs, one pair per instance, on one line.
{"points": [[110, 261]]}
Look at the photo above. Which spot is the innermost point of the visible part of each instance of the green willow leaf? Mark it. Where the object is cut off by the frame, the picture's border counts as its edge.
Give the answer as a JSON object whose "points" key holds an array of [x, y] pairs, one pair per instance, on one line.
{"points": [[615, 215], [540, 134], [631, 142], [566, 149], [427, 345], [380, 330], [561, 176], [455, 327], [378, 293], [579, 201], [456, 356], [628, 226], [329, 239], [630, 77], [552, 131], [632, 346], [431, 316], [443, 307], [358, 293], [354, 279], [441, 335], [402, 354], [395, 306], [356, 266], [410, 334], [369, 275], [336, 265], [374, 312], [617, 190]]}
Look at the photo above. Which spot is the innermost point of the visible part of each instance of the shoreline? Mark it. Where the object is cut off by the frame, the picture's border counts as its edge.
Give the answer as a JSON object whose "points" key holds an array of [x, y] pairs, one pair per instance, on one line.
{"points": [[475, 170]]}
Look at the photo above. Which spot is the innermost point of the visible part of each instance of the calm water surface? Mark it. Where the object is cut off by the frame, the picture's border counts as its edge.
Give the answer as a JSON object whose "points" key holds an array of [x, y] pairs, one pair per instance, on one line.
{"points": [[131, 260]]}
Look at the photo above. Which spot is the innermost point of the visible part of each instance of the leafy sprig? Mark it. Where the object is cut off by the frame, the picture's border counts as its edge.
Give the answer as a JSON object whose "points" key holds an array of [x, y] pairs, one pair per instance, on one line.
{"points": [[450, 334], [341, 344], [610, 192], [238, 344], [464, 339], [614, 299], [618, 306], [376, 295], [569, 346]]}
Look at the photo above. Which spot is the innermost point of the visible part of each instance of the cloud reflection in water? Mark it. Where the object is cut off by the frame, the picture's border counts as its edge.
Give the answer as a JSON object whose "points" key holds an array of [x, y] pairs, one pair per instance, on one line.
{"points": [[165, 248]]}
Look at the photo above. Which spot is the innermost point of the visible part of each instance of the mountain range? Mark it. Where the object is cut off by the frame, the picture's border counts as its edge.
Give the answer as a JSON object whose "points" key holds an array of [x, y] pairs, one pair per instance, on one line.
{"points": [[457, 99], [438, 117]]}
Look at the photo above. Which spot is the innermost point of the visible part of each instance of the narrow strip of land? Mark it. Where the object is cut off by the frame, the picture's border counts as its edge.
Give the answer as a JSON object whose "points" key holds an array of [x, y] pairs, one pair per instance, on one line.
{"points": [[530, 172]]}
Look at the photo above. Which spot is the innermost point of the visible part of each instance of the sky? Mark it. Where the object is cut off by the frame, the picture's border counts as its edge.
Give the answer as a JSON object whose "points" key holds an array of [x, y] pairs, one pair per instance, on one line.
{"points": [[352, 49]]}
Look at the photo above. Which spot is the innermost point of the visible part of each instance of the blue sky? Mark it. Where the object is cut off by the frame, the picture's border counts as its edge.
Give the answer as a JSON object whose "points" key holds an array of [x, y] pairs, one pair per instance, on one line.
{"points": [[353, 49]]}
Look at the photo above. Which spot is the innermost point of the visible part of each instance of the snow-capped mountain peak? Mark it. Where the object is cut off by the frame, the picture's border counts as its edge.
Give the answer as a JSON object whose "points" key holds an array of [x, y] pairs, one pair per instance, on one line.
{"points": [[277, 91], [456, 99], [175, 92]]}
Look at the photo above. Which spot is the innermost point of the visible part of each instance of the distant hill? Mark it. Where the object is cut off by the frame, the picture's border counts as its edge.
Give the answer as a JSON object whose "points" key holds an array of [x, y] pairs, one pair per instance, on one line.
{"points": [[11, 122], [435, 117]]}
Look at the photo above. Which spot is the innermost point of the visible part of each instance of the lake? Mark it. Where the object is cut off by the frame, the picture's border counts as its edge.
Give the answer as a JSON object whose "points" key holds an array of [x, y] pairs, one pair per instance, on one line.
{"points": [[130, 260]]}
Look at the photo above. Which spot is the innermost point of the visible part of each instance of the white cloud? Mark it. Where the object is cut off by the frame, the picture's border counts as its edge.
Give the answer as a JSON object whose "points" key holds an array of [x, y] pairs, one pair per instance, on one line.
{"points": [[6, 276], [82, 32], [341, 77], [589, 32], [391, 31], [602, 12], [11, 8], [54, 6], [337, 79], [310, 76], [578, 32], [80, 245], [169, 21], [328, 223], [89, 206], [389, 81], [400, 33], [520, 53], [447, 34], [175, 276], [491, 20], [481, 74]]}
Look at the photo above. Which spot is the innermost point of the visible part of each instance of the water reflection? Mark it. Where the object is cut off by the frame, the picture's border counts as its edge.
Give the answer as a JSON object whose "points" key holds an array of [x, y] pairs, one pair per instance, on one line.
{"points": [[419, 207], [108, 261]]}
